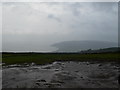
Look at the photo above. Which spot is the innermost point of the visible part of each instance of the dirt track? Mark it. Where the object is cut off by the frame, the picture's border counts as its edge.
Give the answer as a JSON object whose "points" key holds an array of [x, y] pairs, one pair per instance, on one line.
{"points": [[62, 75]]}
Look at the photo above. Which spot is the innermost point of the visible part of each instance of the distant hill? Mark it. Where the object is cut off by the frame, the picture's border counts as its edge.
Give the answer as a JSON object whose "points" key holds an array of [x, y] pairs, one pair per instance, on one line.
{"points": [[76, 46], [104, 50]]}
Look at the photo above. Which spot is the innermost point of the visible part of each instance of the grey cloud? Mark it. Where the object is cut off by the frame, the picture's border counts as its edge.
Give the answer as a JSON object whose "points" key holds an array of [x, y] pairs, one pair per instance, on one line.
{"points": [[36, 26], [54, 17], [108, 7]]}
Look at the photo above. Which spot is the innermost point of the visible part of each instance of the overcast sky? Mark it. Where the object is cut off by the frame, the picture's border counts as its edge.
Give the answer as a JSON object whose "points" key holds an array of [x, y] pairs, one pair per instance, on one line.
{"points": [[36, 26], [0, 42]]}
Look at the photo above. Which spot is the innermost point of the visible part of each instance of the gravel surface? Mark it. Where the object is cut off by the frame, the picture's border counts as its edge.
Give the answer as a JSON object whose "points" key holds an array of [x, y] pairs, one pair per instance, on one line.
{"points": [[62, 75]]}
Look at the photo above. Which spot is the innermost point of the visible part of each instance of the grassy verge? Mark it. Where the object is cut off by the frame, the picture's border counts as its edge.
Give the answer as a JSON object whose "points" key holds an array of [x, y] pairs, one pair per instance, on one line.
{"points": [[49, 58]]}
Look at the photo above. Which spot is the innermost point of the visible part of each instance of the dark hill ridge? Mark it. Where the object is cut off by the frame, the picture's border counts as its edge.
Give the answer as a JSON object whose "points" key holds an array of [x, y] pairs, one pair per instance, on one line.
{"points": [[104, 50], [74, 46]]}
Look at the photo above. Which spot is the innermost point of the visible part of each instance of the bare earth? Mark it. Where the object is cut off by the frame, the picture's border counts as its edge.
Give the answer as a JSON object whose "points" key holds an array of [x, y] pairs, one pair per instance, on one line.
{"points": [[62, 75]]}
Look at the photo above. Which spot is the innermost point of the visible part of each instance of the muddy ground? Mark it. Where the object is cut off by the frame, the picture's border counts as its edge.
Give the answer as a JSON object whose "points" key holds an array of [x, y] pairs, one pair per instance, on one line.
{"points": [[62, 75]]}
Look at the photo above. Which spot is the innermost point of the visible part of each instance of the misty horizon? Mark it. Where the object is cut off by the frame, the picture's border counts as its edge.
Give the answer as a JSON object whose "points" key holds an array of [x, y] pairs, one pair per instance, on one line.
{"points": [[96, 46]]}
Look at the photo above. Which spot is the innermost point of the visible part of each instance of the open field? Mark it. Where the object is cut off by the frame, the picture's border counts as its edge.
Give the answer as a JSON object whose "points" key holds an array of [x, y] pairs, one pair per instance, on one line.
{"points": [[44, 58]]}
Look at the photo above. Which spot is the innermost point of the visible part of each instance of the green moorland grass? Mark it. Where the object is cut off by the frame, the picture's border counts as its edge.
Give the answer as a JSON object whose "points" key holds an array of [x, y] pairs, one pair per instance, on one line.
{"points": [[49, 58]]}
